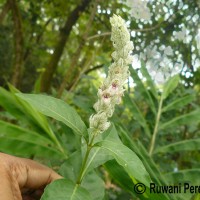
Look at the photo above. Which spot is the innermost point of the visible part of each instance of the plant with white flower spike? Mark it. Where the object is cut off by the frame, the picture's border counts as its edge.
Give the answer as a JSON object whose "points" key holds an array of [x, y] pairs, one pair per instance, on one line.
{"points": [[112, 89]]}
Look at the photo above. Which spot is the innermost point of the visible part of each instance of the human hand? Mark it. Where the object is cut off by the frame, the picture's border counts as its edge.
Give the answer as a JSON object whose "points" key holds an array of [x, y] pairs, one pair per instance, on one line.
{"points": [[19, 175]]}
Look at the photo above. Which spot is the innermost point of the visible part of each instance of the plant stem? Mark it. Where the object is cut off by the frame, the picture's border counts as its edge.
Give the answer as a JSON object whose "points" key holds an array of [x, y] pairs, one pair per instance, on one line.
{"points": [[55, 139], [155, 131], [89, 147], [60, 147]]}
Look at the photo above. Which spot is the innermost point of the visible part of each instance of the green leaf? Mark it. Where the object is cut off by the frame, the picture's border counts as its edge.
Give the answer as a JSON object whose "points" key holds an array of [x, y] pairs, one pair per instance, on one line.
{"points": [[71, 167], [142, 153], [187, 175], [181, 177], [179, 103], [117, 172], [137, 115], [188, 119], [19, 108], [15, 132], [121, 178], [65, 190], [143, 90], [27, 149], [8, 102], [149, 80], [110, 134], [58, 110], [170, 85], [185, 145], [196, 197], [99, 156], [127, 159], [22, 142], [94, 185]]}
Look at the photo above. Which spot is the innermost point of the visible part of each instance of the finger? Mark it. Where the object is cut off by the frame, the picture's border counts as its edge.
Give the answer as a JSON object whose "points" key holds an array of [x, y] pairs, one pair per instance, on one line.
{"points": [[18, 173], [9, 189], [34, 175]]}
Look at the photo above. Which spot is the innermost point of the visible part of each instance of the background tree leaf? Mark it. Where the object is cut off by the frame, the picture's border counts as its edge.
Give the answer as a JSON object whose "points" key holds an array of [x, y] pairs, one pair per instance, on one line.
{"points": [[20, 108], [149, 81], [170, 85], [185, 145], [137, 114], [143, 89], [183, 176], [189, 119], [178, 103], [19, 147]]}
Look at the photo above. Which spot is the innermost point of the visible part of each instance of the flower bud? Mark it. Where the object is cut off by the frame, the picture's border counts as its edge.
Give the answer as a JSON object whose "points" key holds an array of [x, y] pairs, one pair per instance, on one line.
{"points": [[112, 89]]}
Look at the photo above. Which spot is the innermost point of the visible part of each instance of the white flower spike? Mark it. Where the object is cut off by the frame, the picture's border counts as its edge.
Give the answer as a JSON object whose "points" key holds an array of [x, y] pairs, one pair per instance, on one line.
{"points": [[112, 89]]}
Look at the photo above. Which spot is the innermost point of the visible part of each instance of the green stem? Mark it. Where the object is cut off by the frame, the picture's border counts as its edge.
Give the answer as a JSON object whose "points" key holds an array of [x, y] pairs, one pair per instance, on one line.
{"points": [[155, 131], [60, 147], [89, 147], [55, 139]]}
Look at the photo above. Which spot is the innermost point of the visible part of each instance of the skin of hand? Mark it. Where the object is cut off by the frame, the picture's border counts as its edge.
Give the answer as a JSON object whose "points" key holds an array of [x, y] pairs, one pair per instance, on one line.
{"points": [[20, 175]]}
